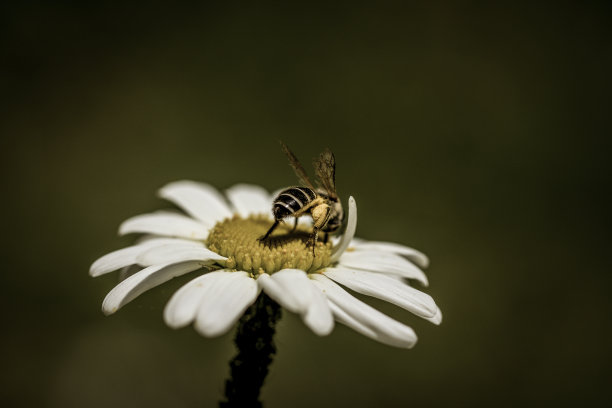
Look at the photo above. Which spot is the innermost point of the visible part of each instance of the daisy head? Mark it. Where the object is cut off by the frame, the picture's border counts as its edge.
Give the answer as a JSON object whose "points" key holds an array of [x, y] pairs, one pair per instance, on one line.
{"points": [[217, 237]]}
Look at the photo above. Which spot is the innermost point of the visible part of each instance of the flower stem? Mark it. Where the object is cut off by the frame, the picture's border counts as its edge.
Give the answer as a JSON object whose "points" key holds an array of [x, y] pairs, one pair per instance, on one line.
{"points": [[256, 349]]}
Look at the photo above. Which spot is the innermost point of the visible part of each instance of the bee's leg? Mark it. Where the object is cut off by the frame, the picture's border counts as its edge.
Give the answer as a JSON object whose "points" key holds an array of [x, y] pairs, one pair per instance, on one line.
{"points": [[320, 215], [312, 241], [325, 238], [272, 228], [295, 224]]}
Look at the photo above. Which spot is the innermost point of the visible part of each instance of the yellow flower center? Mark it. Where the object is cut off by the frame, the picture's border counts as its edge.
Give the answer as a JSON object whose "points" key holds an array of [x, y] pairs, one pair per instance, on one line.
{"points": [[237, 239]]}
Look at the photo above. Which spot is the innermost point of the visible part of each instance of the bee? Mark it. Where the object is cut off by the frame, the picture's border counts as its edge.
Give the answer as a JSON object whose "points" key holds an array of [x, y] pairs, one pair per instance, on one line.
{"points": [[321, 203]]}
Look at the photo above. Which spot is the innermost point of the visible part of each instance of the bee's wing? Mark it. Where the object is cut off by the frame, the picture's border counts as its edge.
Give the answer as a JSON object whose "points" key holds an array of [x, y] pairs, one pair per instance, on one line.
{"points": [[297, 167], [325, 168]]}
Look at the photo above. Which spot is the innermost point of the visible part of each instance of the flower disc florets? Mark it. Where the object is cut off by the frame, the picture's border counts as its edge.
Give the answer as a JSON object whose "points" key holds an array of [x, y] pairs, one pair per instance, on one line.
{"points": [[237, 239]]}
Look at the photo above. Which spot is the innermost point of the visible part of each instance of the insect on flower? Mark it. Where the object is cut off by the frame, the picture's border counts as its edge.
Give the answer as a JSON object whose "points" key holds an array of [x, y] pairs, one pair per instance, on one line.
{"points": [[321, 203]]}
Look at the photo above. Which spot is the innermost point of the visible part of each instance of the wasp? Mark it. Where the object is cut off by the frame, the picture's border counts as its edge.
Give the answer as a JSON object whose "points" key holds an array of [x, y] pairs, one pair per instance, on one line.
{"points": [[321, 203]]}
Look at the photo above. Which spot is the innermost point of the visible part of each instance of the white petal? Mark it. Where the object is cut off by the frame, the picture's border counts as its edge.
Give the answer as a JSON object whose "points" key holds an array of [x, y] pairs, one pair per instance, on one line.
{"points": [[344, 318], [142, 281], [414, 255], [115, 260], [385, 288], [159, 239], [349, 233], [249, 199], [294, 282], [383, 262], [319, 316], [128, 256], [165, 223], [387, 330], [437, 318], [175, 253], [128, 271], [305, 221], [277, 293], [183, 305], [199, 200], [305, 299], [225, 299]]}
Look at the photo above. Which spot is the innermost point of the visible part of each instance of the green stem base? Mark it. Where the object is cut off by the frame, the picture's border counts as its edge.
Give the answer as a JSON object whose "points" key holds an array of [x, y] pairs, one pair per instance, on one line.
{"points": [[256, 349]]}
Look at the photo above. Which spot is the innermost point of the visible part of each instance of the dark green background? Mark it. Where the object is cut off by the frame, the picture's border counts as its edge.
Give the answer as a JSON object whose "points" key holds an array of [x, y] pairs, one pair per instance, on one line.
{"points": [[477, 133]]}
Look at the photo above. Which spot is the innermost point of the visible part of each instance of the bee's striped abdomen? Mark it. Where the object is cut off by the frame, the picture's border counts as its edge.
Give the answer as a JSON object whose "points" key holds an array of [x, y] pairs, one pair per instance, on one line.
{"points": [[291, 200]]}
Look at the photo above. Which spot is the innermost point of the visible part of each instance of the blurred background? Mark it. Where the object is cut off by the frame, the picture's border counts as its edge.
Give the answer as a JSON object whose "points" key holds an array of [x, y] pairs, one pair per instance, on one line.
{"points": [[477, 133]]}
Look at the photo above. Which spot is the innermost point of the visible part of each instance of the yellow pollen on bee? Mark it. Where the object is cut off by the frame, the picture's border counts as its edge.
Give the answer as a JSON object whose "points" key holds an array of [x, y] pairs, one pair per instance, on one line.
{"points": [[237, 239]]}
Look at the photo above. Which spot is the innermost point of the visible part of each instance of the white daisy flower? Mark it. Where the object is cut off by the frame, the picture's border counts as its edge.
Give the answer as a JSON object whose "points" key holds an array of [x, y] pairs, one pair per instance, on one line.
{"points": [[219, 238]]}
